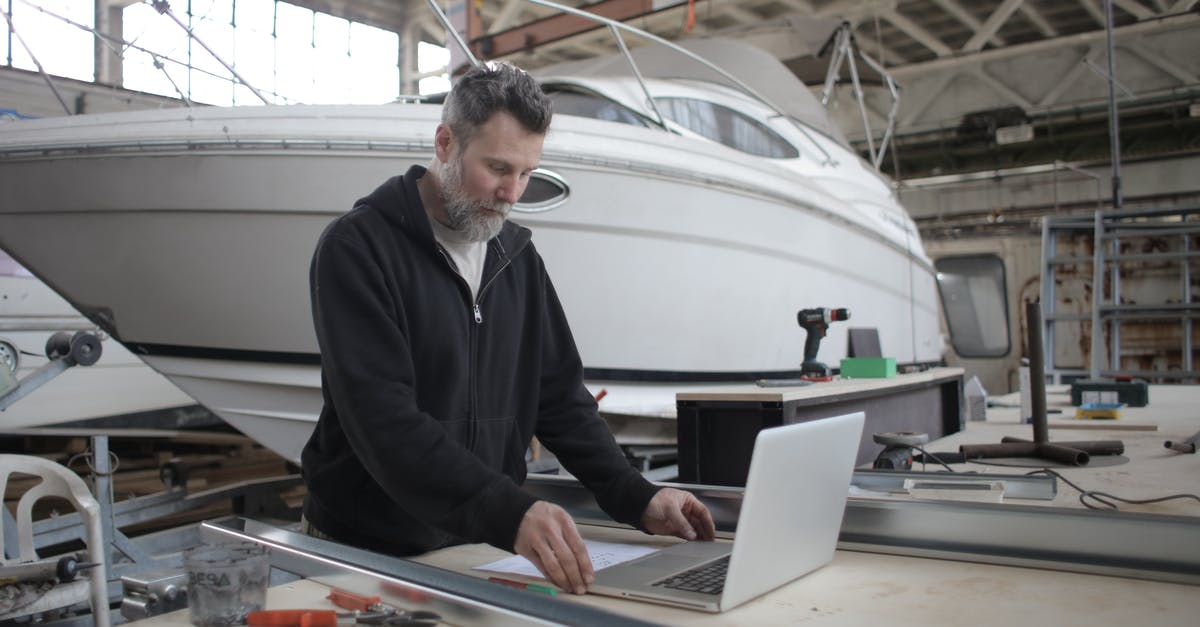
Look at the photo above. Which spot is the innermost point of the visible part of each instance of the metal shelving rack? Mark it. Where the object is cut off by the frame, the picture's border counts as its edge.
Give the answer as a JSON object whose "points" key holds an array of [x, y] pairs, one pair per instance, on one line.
{"points": [[1110, 229]]}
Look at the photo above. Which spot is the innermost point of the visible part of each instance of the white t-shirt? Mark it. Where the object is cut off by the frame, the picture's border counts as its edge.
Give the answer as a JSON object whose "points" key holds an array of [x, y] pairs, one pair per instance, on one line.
{"points": [[467, 256]]}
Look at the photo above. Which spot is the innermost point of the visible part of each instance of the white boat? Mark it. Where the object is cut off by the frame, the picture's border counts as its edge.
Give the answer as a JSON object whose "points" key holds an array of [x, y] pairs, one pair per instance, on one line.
{"points": [[186, 234], [119, 384]]}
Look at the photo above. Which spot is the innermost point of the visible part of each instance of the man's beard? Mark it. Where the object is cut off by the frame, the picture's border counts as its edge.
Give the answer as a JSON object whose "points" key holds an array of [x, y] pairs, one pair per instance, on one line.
{"points": [[468, 215]]}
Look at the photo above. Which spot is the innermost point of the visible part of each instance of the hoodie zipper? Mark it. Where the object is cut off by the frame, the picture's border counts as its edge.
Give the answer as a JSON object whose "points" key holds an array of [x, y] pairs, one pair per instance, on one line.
{"points": [[474, 433], [473, 336]]}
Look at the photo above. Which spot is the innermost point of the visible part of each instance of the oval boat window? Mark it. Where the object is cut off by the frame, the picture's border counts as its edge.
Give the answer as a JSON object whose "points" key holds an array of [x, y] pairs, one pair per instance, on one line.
{"points": [[545, 191]]}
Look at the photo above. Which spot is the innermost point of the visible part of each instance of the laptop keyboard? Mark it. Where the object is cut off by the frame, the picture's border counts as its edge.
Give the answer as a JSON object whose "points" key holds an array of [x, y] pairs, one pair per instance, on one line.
{"points": [[707, 578]]}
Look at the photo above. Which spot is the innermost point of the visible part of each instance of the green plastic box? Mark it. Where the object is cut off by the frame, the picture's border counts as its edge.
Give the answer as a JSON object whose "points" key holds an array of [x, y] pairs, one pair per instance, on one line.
{"points": [[868, 367]]}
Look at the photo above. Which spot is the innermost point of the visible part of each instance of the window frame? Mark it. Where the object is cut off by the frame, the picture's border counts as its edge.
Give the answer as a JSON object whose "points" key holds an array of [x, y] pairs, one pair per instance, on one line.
{"points": [[775, 136], [952, 320]]}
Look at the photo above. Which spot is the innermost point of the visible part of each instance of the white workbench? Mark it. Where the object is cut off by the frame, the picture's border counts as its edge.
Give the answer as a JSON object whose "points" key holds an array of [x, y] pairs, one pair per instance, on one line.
{"points": [[866, 588]]}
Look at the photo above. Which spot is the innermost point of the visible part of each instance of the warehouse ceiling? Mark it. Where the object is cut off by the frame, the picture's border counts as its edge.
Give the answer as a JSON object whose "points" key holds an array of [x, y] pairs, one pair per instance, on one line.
{"points": [[965, 67]]}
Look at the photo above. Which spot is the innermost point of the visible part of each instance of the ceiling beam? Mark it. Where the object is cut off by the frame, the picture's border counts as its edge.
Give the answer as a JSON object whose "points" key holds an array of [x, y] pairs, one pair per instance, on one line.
{"points": [[881, 53], [507, 15], [1074, 74], [915, 108], [852, 10], [955, 9], [1094, 11], [912, 29], [1004, 90], [1183, 6], [802, 6], [1187, 22], [431, 29], [1035, 17], [1176, 71], [992, 25], [1134, 8], [560, 26], [744, 16]]}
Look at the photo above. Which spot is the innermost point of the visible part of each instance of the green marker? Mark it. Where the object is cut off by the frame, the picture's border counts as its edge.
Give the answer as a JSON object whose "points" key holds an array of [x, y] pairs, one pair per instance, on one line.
{"points": [[537, 588], [525, 586]]}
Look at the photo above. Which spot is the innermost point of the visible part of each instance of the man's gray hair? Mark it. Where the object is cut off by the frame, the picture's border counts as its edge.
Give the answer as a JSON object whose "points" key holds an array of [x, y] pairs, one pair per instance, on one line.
{"points": [[486, 90]]}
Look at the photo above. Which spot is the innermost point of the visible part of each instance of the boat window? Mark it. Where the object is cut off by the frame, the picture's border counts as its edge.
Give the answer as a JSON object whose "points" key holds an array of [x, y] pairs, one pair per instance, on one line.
{"points": [[545, 191], [732, 128], [975, 303], [592, 106]]}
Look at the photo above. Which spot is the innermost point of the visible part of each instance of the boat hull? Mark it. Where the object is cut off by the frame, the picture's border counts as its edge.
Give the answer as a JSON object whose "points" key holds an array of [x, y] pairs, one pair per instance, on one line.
{"points": [[672, 262], [118, 384]]}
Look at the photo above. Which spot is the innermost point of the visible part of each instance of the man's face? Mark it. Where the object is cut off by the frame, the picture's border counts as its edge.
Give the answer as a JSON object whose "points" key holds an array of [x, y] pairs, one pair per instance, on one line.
{"points": [[481, 183]]}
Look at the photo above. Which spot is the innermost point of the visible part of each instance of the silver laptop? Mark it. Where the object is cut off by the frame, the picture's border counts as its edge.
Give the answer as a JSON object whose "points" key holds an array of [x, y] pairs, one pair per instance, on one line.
{"points": [[788, 524]]}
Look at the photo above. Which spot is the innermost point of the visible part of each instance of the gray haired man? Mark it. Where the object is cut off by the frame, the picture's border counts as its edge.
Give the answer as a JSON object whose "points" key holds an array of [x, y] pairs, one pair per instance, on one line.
{"points": [[444, 350]]}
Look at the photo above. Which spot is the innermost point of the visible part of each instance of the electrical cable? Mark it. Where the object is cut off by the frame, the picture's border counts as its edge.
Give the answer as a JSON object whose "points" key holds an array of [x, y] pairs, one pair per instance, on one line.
{"points": [[1103, 497], [928, 455], [88, 455]]}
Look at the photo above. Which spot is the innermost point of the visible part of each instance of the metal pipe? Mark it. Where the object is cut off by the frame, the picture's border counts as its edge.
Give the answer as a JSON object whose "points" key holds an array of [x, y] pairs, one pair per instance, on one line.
{"points": [[1114, 296], [1092, 447], [1097, 290], [441, 16], [1186, 446], [637, 73], [1113, 121], [165, 8], [1185, 275], [1037, 371], [1047, 288], [41, 70], [862, 104], [1038, 450]]}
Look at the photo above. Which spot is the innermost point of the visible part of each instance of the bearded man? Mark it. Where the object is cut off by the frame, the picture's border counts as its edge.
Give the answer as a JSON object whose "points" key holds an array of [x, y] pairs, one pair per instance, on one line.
{"points": [[444, 350]]}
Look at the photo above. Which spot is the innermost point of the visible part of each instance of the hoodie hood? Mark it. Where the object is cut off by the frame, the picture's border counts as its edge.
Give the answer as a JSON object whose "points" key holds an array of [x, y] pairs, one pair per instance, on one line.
{"points": [[399, 201]]}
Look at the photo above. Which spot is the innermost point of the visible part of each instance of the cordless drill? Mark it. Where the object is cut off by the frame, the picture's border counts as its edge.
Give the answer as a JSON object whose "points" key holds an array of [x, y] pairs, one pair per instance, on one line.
{"points": [[815, 322]]}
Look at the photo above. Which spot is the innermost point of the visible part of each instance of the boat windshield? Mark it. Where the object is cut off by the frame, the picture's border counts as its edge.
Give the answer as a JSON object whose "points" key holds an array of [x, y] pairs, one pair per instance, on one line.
{"points": [[727, 126], [755, 67], [570, 102]]}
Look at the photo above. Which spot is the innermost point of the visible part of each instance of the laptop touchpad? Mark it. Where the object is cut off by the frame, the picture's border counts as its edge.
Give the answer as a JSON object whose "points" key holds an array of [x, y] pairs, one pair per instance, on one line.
{"points": [[663, 565]]}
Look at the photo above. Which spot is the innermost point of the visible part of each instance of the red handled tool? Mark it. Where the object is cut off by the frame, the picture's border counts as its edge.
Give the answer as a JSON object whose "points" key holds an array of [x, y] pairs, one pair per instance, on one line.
{"points": [[293, 618]]}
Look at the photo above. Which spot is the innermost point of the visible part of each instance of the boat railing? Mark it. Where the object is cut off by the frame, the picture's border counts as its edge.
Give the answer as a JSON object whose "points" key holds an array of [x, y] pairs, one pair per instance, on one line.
{"points": [[616, 28], [844, 51]]}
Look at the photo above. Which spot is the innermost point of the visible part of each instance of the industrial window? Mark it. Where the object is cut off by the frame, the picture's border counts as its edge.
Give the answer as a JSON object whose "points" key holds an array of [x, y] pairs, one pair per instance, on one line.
{"points": [[592, 106], [975, 303], [61, 48], [288, 53], [729, 127]]}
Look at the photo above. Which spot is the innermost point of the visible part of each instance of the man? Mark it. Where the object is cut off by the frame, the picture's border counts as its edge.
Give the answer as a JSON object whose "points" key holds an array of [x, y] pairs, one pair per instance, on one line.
{"points": [[444, 350]]}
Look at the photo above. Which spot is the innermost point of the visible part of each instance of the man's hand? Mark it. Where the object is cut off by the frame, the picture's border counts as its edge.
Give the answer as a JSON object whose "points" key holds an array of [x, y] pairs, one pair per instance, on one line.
{"points": [[548, 538], [678, 513]]}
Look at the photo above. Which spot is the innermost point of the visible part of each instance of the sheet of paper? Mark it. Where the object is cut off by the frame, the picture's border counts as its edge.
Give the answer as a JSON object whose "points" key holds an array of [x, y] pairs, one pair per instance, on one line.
{"points": [[602, 554]]}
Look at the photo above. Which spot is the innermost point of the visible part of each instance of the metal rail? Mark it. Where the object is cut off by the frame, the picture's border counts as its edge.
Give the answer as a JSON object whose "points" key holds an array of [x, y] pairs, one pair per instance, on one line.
{"points": [[459, 599], [1140, 546], [1038, 487]]}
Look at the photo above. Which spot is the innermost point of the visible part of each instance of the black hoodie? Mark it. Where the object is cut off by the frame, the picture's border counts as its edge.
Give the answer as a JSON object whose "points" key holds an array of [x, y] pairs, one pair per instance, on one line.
{"points": [[431, 399]]}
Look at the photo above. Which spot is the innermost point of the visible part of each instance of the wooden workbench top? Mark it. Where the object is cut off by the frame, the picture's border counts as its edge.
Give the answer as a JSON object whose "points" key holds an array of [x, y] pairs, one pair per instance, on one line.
{"points": [[865, 588], [821, 390]]}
